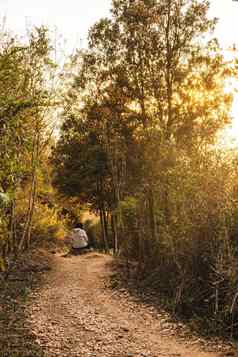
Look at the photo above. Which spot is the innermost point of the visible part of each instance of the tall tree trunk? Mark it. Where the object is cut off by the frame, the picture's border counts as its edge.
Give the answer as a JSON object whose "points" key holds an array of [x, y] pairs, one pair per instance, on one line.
{"points": [[168, 74], [105, 223], [104, 236], [102, 213], [153, 226], [102, 226], [12, 234], [115, 232], [26, 235]]}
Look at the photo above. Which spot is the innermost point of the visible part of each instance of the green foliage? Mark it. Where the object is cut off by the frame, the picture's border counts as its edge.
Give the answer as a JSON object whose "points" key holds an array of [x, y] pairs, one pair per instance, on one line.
{"points": [[25, 97], [141, 117], [46, 226]]}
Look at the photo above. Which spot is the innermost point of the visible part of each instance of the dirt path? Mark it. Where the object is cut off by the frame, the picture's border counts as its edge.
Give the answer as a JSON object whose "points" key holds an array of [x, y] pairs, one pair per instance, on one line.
{"points": [[75, 315]]}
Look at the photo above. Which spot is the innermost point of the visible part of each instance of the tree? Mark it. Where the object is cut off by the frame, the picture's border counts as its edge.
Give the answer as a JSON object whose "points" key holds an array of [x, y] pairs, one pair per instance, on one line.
{"points": [[25, 98], [146, 69]]}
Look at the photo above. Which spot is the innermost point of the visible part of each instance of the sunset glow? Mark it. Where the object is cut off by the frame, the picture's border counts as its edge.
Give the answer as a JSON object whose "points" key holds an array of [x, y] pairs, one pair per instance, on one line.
{"points": [[70, 21]]}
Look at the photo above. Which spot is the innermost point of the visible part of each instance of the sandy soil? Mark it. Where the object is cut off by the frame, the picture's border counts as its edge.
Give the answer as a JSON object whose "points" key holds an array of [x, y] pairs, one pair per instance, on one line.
{"points": [[75, 314]]}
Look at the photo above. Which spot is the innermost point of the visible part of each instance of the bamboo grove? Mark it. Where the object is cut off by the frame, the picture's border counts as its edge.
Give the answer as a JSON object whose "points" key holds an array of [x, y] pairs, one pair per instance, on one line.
{"points": [[25, 97]]}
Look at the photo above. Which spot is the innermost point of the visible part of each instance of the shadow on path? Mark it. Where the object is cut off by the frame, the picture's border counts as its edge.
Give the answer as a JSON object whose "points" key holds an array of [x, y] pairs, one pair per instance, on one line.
{"points": [[126, 282], [16, 336]]}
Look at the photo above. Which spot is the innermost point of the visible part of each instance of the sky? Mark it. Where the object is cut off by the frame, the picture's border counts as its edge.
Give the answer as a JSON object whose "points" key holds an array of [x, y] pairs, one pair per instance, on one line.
{"points": [[73, 18], [227, 13], [69, 19]]}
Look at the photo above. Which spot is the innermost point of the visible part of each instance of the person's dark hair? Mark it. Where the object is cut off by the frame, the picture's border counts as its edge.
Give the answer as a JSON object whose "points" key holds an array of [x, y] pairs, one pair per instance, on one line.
{"points": [[79, 225]]}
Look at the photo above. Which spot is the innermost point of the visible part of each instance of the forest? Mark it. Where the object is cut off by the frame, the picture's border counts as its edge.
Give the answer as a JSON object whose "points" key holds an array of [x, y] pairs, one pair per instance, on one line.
{"points": [[129, 129]]}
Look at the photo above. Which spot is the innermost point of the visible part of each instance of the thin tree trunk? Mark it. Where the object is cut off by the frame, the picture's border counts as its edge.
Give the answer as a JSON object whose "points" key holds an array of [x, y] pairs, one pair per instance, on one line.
{"points": [[153, 226], [25, 239], [102, 226], [102, 222], [102, 213], [28, 239], [105, 224], [12, 228], [115, 232], [169, 73]]}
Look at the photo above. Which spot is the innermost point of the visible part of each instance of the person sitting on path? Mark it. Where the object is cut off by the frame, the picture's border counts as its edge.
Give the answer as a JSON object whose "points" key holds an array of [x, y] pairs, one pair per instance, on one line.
{"points": [[78, 239]]}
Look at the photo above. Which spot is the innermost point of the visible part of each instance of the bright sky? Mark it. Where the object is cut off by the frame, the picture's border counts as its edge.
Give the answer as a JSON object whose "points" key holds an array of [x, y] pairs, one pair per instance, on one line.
{"points": [[226, 31], [74, 17], [227, 13], [71, 19]]}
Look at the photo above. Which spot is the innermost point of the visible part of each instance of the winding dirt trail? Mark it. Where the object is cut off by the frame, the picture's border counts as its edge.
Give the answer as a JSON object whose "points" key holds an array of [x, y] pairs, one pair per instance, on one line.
{"points": [[74, 314]]}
